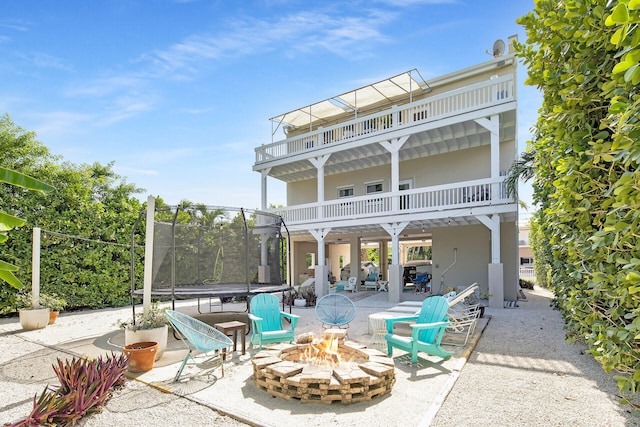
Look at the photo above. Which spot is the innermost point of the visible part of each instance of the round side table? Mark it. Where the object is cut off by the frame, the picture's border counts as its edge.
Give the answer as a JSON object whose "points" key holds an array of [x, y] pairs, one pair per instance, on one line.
{"points": [[378, 327]]}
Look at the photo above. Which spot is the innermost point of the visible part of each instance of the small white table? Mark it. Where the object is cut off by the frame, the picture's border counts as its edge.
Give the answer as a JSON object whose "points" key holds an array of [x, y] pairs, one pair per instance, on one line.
{"points": [[382, 286], [378, 327]]}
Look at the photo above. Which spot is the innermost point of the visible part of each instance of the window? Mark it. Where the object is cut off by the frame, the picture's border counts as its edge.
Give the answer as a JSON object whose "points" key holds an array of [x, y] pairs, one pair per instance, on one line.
{"points": [[526, 261], [345, 192], [374, 187], [345, 208], [374, 205]]}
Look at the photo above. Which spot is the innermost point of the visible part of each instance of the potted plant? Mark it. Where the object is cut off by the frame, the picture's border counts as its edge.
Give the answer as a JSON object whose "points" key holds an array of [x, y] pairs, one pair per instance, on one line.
{"points": [[33, 314], [305, 297], [309, 297], [54, 303], [150, 325], [299, 301], [141, 355]]}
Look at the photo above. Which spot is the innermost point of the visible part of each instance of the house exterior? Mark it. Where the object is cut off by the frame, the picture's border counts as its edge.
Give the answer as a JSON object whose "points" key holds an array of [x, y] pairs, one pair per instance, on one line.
{"points": [[404, 160], [525, 254]]}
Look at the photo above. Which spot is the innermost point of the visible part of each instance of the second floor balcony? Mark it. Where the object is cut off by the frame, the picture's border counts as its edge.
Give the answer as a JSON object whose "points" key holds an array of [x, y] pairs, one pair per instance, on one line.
{"points": [[442, 201]]}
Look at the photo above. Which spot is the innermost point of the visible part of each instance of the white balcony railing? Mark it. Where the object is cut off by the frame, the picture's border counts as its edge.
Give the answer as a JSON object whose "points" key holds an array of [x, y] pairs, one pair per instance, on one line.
{"points": [[480, 192], [470, 98], [526, 272]]}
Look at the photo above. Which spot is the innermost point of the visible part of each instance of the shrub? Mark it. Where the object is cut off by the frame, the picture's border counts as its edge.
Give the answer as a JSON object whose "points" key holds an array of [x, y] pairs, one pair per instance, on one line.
{"points": [[85, 386]]}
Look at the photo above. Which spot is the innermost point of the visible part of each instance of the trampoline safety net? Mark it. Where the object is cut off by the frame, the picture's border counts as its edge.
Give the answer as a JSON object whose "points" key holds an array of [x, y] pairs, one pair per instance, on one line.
{"points": [[216, 246]]}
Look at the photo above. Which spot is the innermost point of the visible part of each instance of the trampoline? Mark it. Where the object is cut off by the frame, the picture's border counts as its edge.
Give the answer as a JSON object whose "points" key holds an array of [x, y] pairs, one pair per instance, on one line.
{"points": [[199, 252]]}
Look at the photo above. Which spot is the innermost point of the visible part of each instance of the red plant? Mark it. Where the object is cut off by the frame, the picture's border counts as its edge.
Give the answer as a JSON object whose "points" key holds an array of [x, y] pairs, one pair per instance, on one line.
{"points": [[85, 386]]}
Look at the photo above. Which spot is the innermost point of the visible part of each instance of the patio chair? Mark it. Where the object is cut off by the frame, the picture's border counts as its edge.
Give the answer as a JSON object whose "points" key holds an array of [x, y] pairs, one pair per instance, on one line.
{"points": [[422, 282], [463, 316], [426, 332], [266, 321], [335, 310], [197, 335], [371, 281], [351, 285]]}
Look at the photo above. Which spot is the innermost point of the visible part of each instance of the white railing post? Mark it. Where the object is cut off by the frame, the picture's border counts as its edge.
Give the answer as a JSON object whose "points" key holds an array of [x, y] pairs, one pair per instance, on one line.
{"points": [[35, 268]]}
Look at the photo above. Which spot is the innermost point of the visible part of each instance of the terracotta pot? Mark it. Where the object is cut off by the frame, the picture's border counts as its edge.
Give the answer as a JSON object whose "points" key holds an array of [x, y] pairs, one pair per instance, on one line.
{"points": [[141, 355], [53, 315], [34, 318], [158, 335]]}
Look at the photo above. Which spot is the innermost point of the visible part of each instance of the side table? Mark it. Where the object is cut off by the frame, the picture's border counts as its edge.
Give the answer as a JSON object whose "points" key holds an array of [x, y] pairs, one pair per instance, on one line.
{"points": [[378, 326], [383, 286], [232, 328]]}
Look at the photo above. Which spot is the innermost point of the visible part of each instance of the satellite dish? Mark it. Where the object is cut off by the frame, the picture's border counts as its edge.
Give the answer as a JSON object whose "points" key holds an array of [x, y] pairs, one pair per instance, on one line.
{"points": [[498, 48]]}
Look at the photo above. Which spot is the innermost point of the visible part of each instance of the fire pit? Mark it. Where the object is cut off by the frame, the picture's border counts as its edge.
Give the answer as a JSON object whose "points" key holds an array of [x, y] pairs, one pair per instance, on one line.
{"points": [[325, 371]]}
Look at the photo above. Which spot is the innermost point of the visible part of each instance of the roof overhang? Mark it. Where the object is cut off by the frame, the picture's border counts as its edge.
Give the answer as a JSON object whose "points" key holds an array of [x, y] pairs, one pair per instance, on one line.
{"points": [[399, 87]]}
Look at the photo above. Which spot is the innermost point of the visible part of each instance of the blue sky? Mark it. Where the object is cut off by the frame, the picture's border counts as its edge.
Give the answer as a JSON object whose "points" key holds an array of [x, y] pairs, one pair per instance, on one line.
{"points": [[179, 93]]}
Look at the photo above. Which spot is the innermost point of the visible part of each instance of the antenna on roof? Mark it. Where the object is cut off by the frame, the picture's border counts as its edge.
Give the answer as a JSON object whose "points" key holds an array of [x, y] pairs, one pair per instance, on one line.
{"points": [[498, 48]]}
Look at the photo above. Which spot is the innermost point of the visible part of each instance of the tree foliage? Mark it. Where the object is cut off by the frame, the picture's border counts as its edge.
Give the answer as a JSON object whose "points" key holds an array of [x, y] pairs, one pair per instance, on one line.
{"points": [[91, 212], [583, 55]]}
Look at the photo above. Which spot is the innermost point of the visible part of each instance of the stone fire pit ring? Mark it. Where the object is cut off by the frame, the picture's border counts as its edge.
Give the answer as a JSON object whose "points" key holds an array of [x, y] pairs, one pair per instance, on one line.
{"points": [[366, 374]]}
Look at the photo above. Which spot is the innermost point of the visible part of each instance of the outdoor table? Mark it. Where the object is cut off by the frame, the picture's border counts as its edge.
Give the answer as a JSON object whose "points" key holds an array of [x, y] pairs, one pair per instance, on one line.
{"points": [[233, 328], [382, 286], [378, 327]]}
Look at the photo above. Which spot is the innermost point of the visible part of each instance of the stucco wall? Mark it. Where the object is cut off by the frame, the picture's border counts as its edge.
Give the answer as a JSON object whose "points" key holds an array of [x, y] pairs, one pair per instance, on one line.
{"points": [[473, 243]]}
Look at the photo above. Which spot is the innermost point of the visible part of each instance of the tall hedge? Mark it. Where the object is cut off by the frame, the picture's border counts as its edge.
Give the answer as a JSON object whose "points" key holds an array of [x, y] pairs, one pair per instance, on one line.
{"points": [[91, 206], [583, 56]]}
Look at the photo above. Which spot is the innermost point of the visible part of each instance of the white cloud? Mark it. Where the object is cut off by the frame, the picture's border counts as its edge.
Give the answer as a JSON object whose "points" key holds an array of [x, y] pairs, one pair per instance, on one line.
{"points": [[300, 32], [104, 86], [43, 60], [62, 122], [15, 24]]}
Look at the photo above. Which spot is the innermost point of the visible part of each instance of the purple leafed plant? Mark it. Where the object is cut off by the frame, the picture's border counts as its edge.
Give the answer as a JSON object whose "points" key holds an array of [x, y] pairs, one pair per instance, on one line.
{"points": [[85, 386]]}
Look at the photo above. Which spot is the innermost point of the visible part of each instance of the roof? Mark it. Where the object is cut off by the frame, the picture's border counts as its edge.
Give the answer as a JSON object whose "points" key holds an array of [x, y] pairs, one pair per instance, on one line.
{"points": [[401, 86]]}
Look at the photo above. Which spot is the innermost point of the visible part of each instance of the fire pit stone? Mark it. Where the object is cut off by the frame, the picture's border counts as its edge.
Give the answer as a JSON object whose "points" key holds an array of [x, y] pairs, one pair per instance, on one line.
{"points": [[280, 371]]}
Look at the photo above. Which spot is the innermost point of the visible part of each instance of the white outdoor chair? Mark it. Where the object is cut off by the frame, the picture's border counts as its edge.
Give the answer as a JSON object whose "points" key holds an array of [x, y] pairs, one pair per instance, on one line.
{"points": [[463, 317], [351, 284]]}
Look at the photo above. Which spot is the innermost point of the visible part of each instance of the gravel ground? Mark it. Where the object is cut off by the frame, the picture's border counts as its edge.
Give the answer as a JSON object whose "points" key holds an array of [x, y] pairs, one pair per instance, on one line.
{"points": [[523, 373]]}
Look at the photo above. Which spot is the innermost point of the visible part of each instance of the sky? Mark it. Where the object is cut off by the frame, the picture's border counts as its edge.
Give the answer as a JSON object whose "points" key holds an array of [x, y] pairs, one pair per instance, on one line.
{"points": [[179, 93]]}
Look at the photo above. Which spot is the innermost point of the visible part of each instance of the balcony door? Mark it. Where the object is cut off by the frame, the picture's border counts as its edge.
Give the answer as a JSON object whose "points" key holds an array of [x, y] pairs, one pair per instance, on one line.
{"points": [[405, 201]]}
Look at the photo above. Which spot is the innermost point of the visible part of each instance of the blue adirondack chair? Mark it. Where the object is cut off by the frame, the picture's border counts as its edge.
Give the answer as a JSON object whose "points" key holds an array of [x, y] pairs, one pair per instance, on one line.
{"points": [[426, 333], [266, 321], [197, 335]]}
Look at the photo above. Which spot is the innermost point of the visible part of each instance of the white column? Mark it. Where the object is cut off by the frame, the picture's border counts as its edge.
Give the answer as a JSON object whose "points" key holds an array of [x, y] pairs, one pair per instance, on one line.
{"points": [[35, 268], [148, 253], [319, 162], [393, 146], [264, 174], [355, 261], [395, 269], [264, 272], [321, 270], [495, 269], [493, 126]]}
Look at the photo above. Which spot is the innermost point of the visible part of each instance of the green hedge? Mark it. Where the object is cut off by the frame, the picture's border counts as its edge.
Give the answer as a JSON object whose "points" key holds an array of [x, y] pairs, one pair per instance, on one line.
{"points": [[583, 56]]}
